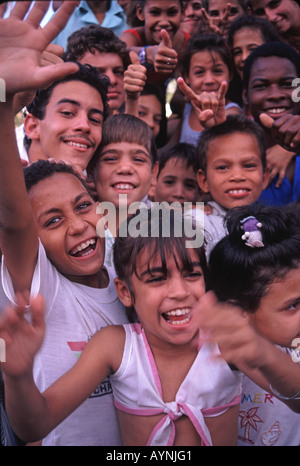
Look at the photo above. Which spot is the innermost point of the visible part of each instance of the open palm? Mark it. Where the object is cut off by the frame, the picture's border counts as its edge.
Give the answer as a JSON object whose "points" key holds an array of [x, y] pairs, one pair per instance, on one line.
{"points": [[22, 43]]}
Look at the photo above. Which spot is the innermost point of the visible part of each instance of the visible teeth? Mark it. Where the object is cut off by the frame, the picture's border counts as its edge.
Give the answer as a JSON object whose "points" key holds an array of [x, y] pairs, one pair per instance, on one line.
{"points": [[179, 322], [82, 246], [178, 312], [123, 186], [76, 144], [237, 191], [276, 110]]}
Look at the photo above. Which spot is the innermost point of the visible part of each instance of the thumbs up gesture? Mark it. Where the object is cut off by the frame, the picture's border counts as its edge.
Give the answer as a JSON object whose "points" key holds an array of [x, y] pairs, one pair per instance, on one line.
{"points": [[134, 78], [166, 58]]}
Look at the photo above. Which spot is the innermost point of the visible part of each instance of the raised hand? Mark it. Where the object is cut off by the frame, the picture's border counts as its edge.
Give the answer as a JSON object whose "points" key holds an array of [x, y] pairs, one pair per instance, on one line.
{"points": [[22, 339], [22, 43], [217, 25], [135, 77], [285, 130], [166, 57], [209, 106]]}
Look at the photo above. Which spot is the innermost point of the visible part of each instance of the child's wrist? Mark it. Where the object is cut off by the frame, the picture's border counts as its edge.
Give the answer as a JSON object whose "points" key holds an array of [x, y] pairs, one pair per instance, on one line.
{"points": [[145, 57]]}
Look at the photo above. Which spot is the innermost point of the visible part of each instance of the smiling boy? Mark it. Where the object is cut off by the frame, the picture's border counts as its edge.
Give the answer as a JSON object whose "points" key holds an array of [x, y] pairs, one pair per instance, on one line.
{"points": [[268, 76]]}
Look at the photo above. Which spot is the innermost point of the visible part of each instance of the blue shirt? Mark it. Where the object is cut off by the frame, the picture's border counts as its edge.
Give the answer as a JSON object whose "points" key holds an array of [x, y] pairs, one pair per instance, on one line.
{"points": [[286, 193], [115, 19]]}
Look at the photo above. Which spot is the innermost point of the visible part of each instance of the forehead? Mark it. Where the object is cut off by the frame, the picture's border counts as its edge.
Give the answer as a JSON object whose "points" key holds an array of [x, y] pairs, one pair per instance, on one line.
{"points": [[179, 167], [124, 148], [248, 35], [162, 4], [221, 4], [102, 60], [151, 102], [234, 145], [55, 191], [77, 91], [276, 67], [206, 58]]}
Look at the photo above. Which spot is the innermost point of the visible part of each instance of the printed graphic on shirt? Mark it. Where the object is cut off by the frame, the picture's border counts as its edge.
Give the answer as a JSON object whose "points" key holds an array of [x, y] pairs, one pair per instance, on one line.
{"points": [[105, 387], [271, 437]]}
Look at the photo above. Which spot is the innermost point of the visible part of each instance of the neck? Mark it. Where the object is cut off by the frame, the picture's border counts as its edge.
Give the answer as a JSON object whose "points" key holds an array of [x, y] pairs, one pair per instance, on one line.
{"points": [[99, 6]]}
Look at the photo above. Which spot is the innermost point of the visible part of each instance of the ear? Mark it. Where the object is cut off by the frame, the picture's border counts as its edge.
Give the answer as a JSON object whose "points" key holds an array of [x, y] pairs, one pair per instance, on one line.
{"points": [[153, 183], [32, 127], [123, 292], [202, 181], [245, 102], [140, 13]]}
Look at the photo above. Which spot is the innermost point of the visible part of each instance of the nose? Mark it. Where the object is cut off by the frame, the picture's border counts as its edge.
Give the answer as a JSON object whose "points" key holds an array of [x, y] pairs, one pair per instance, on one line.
{"points": [[82, 123], [77, 225], [189, 11], [178, 192], [208, 78], [177, 288], [112, 77], [237, 174], [125, 167]]}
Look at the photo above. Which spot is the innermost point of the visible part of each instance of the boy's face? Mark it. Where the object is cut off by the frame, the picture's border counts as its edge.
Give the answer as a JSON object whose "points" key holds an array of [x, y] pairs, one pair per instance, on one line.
{"points": [[192, 17], [66, 219], [217, 9], [72, 127], [283, 14], [270, 88], [111, 65], [234, 175], [172, 317], [123, 168], [158, 15], [176, 183], [278, 316]]}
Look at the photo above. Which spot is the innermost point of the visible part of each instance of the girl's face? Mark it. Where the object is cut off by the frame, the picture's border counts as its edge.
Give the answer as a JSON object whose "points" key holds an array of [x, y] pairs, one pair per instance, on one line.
{"points": [[158, 15], [165, 303], [244, 41], [207, 71], [278, 317], [150, 111]]}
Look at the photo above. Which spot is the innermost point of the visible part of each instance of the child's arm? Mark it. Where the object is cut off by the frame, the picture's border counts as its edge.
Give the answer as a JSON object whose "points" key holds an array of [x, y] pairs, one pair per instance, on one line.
{"points": [[209, 106], [21, 46], [285, 130], [135, 78], [240, 344], [32, 414]]}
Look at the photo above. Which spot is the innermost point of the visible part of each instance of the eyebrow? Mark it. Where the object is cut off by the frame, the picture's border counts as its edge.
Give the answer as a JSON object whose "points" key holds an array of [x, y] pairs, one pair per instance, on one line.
{"points": [[77, 104], [131, 152], [55, 210], [151, 271]]}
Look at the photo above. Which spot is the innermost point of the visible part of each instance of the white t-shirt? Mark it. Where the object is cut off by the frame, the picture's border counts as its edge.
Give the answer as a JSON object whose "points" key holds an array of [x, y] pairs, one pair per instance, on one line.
{"points": [[74, 313], [264, 420]]}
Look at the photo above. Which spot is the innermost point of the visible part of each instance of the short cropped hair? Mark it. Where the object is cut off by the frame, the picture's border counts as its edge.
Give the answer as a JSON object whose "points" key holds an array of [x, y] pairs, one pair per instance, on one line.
{"points": [[232, 124], [87, 74], [125, 128], [43, 169], [270, 49], [179, 151]]}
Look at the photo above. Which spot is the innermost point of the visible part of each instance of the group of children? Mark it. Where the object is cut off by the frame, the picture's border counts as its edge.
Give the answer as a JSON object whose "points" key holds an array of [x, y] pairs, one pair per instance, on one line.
{"points": [[225, 316]]}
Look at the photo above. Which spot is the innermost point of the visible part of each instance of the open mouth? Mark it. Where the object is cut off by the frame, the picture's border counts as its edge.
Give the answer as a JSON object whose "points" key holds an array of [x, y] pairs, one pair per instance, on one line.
{"points": [[84, 249], [178, 316], [81, 145]]}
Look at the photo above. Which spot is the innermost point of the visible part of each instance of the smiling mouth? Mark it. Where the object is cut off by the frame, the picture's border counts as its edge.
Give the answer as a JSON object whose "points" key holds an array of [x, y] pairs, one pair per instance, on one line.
{"points": [[123, 186], [276, 111], [84, 249], [238, 192], [178, 316], [78, 145]]}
